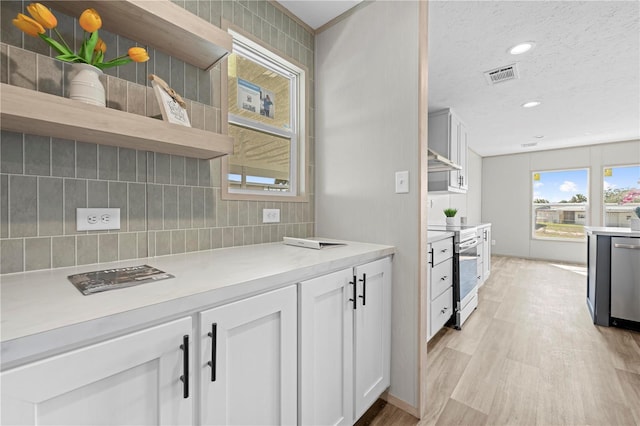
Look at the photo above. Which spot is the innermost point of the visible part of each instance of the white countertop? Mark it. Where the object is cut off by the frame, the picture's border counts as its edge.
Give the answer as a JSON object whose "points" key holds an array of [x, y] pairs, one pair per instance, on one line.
{"points": [[433, 236], [611, 231], [44, 308]]}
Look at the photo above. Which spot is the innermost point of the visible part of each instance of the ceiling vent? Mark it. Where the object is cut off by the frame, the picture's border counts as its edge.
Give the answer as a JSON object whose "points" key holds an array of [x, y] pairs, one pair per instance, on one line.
{"points": [[529, 145], [498, 75]]}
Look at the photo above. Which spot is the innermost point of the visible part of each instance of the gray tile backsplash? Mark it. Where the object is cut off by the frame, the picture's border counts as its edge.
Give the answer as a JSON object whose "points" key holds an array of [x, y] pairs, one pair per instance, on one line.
{"points": [[169, 204]]}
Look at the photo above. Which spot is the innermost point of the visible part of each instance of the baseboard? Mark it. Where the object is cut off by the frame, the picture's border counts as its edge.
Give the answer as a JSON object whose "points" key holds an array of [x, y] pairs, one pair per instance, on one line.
{"points": [[404, 406]]}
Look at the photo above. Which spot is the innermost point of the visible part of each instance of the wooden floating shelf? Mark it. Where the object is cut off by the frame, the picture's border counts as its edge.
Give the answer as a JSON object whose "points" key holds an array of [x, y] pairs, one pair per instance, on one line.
{"points": [[160, 24], [27, 111]]}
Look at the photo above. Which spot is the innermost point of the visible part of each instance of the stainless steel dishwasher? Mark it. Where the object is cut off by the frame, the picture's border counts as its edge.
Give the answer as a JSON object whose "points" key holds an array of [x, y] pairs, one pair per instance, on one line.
{"points": [[625, 281]]}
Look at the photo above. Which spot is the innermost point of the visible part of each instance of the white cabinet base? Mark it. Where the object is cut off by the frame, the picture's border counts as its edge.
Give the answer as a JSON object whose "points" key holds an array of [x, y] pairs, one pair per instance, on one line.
{"points": [[133, 379]]}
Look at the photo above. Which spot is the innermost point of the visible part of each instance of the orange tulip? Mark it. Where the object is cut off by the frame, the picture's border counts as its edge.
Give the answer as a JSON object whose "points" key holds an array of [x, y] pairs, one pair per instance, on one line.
{"points": [[90, 20], [28, 25], [42, 15], [101, 46], [138, 54]]}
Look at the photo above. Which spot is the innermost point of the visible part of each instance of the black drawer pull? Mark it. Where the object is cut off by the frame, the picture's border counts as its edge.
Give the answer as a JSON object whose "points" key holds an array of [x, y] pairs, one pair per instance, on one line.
{"points": [[354, 292], [364, 289], [185, 365], [214, 349], [443, 278]]}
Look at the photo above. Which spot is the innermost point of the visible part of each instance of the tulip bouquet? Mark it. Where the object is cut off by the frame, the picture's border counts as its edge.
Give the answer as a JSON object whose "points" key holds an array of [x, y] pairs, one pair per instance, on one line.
{"points": [[93, 47]]}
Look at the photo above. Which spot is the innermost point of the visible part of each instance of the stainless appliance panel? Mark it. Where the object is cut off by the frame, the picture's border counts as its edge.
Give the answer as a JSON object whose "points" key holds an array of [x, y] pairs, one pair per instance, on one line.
{"points": [[625, 278]]}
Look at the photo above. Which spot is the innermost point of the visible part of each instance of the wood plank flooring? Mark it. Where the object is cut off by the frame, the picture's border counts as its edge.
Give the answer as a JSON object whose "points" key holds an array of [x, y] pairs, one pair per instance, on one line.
{"points": [[530, 355]]}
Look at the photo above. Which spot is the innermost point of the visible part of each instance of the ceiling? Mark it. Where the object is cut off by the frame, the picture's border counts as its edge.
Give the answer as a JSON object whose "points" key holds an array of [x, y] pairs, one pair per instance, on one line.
{"points": [[584, 69]]}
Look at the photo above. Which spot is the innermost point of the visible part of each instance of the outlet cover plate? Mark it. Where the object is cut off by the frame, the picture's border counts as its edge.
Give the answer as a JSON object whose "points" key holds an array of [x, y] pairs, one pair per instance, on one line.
{"points": [[97, 219], [270, 215]]}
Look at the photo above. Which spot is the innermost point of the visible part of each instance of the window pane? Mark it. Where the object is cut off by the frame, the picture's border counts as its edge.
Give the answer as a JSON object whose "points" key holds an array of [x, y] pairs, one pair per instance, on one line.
{"points": [[621, 194], [260, 161], [258, 93], [560, 204]]}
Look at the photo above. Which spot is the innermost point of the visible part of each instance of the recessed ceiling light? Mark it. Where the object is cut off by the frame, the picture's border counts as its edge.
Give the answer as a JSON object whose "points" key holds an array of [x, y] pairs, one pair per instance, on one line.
{"points": [[521, 48], [529, 145], [539, 136], [530, 104]]}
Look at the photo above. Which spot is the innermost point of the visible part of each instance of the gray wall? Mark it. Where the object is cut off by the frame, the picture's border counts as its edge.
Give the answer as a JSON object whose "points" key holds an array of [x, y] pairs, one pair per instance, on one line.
{"points": [[169, 204], [366, 130], [507, 195]]}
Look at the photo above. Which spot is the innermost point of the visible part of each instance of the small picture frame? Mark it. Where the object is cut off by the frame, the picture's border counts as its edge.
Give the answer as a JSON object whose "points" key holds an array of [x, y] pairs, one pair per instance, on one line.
{"points": [[172, 111]]}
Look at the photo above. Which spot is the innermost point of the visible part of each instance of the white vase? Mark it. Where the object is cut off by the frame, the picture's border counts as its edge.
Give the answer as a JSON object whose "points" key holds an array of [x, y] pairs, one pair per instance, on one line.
{"points": [[635, 224], [451, 220], [86, 85]]}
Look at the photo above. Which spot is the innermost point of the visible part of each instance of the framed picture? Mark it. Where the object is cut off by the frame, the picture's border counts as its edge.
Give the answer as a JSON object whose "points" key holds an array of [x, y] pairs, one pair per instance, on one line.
{"points": [[172, 106]]}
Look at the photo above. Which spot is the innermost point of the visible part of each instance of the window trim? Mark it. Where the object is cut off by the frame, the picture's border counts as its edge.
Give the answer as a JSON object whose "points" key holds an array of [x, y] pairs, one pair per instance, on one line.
{"points": [[532, 215], [299, 162], [602, 206]]}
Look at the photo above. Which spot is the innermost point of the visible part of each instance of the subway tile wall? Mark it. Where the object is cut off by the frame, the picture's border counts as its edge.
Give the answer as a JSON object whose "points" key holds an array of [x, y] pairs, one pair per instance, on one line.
{"points": [[169, 204]]}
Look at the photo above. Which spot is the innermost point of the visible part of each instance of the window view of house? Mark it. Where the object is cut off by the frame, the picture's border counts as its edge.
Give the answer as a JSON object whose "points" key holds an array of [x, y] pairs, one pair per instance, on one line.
{"points": [[560, 204], [621, 194], [264, 97]]}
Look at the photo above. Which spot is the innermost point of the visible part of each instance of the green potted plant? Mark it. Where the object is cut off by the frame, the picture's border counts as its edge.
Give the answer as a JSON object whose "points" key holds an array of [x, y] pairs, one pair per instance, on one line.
{"points": [[450, 214], [635, 222]]}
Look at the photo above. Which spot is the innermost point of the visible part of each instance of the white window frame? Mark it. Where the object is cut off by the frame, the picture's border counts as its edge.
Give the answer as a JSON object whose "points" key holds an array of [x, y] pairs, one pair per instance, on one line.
{"points": [[251, 49], [532, 208], [603, 206]]}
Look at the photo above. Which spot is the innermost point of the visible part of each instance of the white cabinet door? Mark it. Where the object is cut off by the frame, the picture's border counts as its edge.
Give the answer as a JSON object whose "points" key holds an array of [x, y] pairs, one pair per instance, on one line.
{"points": [[448, 136], [253, 355], [372, 333], [486, 251], [463, 144], [133, 379], [326, 349]]}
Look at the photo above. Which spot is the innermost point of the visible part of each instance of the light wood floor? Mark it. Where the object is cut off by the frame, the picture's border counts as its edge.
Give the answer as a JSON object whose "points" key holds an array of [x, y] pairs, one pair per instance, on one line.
{"points": [[530, 355]]}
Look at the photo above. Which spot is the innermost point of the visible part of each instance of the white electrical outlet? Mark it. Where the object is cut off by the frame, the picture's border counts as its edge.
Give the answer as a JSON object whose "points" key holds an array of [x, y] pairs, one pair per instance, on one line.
{"points": [[270, 215], [97, 219]]}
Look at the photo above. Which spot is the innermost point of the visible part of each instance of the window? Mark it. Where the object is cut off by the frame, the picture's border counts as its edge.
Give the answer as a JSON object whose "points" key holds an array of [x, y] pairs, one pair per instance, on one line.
{"points": [[560, 204], [620, 194], [266, 106]]}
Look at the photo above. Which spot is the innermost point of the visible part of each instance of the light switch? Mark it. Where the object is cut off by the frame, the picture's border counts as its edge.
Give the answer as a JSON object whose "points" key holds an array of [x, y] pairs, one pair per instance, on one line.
{"points": [[402, 182]]}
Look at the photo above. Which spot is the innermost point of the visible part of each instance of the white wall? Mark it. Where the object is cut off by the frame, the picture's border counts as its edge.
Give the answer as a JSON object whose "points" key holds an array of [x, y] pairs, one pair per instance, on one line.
{"points": [[469, 205], [507, 196], [366, 130]]}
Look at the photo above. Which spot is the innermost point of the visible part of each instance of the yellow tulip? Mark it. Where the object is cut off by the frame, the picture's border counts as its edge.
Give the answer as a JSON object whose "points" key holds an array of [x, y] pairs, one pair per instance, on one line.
{"points": [[42, 15], [101, 46], [138, 54], [28, 25], [90, 21]]}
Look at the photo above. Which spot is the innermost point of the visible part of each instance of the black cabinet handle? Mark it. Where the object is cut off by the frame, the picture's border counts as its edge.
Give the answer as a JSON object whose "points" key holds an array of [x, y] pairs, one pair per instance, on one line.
{"points": [[214, 349], [431, 252], [185, 365], [354, 292], [364, 289], [443, 278]]}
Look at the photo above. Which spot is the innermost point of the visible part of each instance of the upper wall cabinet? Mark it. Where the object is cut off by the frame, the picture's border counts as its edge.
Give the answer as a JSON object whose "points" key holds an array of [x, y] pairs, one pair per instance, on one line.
{"points": [[448, 137], [160, 24]]}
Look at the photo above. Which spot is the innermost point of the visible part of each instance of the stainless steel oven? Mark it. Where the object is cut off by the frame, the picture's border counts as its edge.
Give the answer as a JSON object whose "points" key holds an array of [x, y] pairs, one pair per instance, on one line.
{"points": [[465, 288]]}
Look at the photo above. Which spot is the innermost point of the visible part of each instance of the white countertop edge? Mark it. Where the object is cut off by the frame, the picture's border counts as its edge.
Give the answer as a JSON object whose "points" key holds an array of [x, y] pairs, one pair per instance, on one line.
{"points": [[42, 337], [611, 231], [434, 236]]}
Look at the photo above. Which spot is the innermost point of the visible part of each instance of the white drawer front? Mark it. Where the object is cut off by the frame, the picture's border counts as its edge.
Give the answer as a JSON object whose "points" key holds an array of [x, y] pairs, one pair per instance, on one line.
{"points": [[441, 310], [442, 250], [441, 278]]}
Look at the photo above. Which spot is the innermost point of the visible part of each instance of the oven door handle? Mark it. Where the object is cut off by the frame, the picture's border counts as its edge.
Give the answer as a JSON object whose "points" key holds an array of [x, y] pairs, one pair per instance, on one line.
{"points": [[469, 245]]}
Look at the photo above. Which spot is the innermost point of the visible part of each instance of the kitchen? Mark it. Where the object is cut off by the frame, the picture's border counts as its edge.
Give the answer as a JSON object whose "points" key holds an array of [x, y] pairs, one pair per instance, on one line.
{"points": [[351, 173]]}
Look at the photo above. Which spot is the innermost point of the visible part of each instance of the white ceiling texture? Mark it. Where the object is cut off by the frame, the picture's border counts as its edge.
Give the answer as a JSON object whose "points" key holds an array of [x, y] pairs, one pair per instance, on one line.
{"points": [[584, 69]]}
